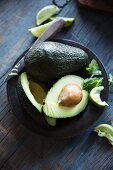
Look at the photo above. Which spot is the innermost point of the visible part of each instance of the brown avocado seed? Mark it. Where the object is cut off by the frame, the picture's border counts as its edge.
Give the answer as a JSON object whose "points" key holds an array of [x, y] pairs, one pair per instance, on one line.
{"points": [[70, 95]]}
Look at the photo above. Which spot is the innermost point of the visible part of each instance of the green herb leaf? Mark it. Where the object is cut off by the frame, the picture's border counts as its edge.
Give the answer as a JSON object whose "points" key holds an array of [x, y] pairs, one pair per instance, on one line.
{"points": [[90, 83], [93, 68]]}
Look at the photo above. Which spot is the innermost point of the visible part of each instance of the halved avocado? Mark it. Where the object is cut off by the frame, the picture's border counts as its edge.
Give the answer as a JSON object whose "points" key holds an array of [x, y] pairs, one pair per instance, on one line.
{"points": [[31, 96], [52, 107]]}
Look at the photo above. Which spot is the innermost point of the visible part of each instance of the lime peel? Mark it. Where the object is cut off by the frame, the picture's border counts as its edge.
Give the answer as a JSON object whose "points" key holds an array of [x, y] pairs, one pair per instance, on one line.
{"points": [[45, 13], [95, 96], [105, 130], [37, 31], [67, 21]]}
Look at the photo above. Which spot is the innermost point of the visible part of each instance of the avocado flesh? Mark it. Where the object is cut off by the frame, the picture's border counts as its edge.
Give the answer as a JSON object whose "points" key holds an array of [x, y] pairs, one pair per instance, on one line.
{"points": [[53, 109], [49, 60], [51, 121], [37, 91], [34, 92]]}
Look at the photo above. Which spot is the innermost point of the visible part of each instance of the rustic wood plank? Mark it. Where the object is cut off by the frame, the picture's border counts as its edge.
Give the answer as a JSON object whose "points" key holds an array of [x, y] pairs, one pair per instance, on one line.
{"points": [[89, 155], [4, 106], [15, 13], [12, 135], [48, 151], [62, 153], [8, 123], [20, 148]]}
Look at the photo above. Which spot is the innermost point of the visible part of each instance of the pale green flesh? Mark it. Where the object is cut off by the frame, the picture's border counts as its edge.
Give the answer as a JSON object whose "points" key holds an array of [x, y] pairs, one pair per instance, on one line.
{"points": [[95, 96], [45, 13], [53, 109], [37, 91], [25, 86], [105, 130], [37, 31], [68, 21], [51, 121]]}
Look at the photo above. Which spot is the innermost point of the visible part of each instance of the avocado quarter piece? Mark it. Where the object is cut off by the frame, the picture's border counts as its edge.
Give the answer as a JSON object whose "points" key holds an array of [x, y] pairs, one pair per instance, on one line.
{"points": [[51, 121], [49, 60], [34, 92], [53, 109], [31, 97]]}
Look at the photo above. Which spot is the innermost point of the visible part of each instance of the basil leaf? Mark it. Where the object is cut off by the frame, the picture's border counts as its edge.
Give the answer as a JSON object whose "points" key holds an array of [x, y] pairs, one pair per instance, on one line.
{"points": [[90, 83]]}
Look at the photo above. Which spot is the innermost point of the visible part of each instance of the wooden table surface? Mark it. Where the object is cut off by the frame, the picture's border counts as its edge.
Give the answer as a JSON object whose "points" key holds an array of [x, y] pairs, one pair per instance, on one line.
{"points": [[21, 149]]}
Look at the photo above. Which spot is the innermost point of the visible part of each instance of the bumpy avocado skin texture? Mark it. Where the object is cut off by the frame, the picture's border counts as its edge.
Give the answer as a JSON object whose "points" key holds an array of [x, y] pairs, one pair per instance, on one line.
{"points": [[50, 60], [29, 108]]}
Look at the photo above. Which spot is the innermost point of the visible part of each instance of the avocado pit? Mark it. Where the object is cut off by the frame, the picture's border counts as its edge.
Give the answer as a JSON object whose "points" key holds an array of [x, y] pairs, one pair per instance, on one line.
{"points": [[70, 95]]}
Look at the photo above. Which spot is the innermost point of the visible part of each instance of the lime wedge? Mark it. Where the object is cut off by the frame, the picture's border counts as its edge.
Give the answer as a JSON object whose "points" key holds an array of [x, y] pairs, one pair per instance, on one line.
{"points": [[68, 21], [37, 31], [95, 96], [45, 13], [105, 130]]}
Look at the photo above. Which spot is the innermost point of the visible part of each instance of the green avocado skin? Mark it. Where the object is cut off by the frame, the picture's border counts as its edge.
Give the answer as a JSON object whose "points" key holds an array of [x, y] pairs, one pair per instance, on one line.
{"points": [[50, 60], [29, 108]]}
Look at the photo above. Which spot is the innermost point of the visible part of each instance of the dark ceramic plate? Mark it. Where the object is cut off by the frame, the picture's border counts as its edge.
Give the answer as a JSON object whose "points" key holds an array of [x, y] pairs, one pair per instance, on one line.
{"points": [[65, 128]]}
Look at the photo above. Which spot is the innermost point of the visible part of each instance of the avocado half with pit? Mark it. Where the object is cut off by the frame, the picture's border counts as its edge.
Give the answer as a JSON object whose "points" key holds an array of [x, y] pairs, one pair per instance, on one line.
{"points": [[70, 89], [31, 96]]}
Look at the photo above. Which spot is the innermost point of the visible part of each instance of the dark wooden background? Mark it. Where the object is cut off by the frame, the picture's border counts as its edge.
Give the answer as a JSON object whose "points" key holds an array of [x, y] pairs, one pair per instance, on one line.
{"points": [[23, 150]]}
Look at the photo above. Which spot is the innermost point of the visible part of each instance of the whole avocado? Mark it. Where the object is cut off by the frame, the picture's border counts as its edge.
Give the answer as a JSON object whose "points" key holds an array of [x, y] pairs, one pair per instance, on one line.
{"points": [[50, 60]]}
